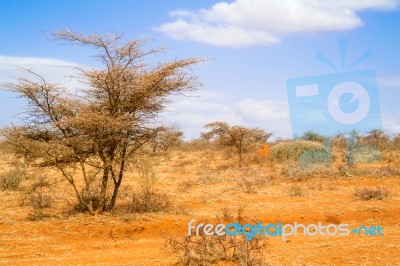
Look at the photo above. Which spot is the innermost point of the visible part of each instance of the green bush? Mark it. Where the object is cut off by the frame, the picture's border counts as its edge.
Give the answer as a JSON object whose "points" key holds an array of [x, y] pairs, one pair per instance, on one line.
{"points": [[288, 151]]}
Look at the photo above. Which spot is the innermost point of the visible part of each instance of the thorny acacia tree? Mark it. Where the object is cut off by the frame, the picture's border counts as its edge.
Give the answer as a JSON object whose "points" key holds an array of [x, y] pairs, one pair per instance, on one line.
{"points": [[93, 134], [240, 138], [166, 138]]}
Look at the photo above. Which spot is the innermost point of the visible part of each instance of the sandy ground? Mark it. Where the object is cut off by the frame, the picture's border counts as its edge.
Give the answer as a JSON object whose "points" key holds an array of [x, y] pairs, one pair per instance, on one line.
{"points": [[199, 188]]}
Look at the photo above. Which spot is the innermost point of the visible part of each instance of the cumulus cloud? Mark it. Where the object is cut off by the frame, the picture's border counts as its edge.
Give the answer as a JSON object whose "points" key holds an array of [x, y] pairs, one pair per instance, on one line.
{"points": [[192, 115], [261, 22]]}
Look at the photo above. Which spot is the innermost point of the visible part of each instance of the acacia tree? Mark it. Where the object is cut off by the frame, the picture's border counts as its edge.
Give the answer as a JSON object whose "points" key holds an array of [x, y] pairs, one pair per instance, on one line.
{"points": [[166, 138], [90, 136], [377, 138], [313, 136], [240, 138]]}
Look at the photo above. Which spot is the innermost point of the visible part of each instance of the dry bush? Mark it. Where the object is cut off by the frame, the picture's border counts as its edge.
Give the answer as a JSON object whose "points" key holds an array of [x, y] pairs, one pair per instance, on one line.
{"points": [[294, 171], [12, 179], [376, 193], [207, 250], [251, 179], [207, 177], [147, 199], [88, 198], [316, 186], [39, 197], [291, 150], [385, 171], [332, 186], [250, 184], [295, 191], [185, 186], [227, 214], [247, 184], [389, 171]]}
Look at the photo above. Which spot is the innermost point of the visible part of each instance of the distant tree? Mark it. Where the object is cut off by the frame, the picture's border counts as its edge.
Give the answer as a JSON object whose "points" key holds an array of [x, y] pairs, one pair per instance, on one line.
{"points": [[377, 138], [240, 138], [396, 141], [97, 130], [166, 138], [313, 136]]}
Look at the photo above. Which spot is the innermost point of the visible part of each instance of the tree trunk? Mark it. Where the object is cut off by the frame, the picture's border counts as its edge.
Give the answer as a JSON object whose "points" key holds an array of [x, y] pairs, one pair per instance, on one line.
{"points": [[103, 192], [117, 183], [240, 156]]}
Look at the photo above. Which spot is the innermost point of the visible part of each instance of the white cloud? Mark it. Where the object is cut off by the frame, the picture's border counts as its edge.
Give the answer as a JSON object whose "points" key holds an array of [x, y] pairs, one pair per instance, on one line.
{"points": [[389, 81], [53, 70], [390, 125], [7, 62], [263, 111], [260, 22], [192, 115]]}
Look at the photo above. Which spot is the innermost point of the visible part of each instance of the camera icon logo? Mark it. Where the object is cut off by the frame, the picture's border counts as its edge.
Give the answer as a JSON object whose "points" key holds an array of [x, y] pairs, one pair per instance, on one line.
{"points": [[336, 103], [358, 92]]}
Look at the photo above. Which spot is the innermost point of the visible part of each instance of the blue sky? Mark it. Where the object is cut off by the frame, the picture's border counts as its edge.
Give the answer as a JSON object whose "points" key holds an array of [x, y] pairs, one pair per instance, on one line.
{"points": [[254, 47]]}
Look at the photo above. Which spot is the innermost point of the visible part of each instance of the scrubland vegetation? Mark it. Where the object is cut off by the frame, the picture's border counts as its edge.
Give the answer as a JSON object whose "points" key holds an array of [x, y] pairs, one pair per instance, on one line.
{"points": [[203, 179], [93, 179]]}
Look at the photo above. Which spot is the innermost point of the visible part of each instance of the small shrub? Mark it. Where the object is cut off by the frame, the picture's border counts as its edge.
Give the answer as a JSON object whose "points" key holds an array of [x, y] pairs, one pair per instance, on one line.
{"points": [[89, 198], [315, 186], [207, 250], [185, 186], [332, 186], [376, 193], [12, 179], [296, 191], [247, 185], [38, 197], [207, 177], [226, 213], [147, 199], [295, 172], [249, 180]]}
